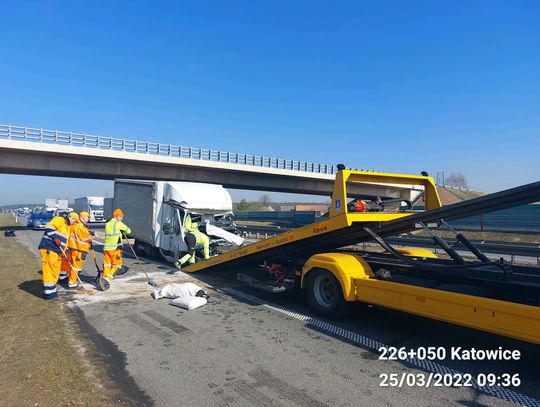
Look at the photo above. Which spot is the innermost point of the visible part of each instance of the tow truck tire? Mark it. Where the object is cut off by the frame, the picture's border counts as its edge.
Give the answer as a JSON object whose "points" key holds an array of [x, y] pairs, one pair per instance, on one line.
{"points": [[325, 295]]}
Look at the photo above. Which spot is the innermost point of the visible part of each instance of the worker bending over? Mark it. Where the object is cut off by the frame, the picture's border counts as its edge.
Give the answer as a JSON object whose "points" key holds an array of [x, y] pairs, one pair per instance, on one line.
{"points": [[192, 238], [52, 248], [65, 266], [112, 248], [79, 241]]}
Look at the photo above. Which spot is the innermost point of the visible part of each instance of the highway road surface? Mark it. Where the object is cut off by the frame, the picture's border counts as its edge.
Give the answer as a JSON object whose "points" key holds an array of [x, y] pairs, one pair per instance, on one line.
{"points": [[249, 348]]}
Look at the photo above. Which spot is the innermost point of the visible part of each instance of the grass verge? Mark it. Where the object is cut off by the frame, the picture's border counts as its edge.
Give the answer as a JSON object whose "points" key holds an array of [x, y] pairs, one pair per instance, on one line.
{"points": [[45, 359]]}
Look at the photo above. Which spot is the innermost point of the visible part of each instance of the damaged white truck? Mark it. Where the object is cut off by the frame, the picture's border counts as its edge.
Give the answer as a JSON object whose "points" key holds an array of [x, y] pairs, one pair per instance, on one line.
{"points": [[156, 212]]}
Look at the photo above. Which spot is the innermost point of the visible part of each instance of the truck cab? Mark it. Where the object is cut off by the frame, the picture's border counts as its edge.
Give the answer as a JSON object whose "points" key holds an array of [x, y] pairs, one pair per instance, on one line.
{"points": [[94, 205], [156, 212]]}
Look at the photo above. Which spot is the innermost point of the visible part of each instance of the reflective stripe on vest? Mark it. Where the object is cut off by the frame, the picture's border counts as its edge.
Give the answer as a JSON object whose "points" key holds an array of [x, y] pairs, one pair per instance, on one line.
{"points": [[112, 237]]}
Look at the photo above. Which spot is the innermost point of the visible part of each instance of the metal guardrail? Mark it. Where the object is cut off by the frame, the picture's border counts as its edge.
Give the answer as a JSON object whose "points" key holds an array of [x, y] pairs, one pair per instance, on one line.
{"points": [[29, 134], [519, 219]]}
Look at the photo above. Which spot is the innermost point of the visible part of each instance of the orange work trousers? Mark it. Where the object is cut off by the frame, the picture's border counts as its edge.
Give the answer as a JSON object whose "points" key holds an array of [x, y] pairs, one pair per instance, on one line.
{"points": [[112, 261], [50, 268], [77, 262]]}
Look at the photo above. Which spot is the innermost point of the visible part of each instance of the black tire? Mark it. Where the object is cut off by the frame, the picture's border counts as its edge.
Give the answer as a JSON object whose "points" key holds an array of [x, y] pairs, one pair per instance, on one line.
{"points": [[138, 247], [150, 251], [325, 295]]}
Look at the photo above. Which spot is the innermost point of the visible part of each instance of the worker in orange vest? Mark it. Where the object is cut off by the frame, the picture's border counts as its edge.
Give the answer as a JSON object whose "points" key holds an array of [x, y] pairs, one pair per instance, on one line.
{"points": [[52, 248], [79, 241]]}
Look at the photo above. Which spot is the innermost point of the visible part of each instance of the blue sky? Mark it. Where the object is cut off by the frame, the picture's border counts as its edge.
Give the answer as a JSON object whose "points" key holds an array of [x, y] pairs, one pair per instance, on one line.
{"points": [[398, 86]]}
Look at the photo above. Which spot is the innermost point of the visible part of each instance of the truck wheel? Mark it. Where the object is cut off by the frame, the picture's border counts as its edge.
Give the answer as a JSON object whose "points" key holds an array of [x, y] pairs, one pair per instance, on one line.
{"points": [[324, 294], [149, 251], [137, 247]]}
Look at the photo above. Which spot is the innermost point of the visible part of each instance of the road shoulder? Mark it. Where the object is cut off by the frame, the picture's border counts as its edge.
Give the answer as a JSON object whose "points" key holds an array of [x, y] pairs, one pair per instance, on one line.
{"points": [[48, 355]]}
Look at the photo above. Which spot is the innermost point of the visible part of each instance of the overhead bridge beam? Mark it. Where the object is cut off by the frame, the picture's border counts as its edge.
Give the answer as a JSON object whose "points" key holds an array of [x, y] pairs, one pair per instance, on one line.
{"points": [[29, 158]]}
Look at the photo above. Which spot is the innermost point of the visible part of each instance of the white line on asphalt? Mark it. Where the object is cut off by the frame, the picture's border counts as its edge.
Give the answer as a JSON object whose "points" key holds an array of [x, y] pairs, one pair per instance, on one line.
{"points": [[375, 345]]}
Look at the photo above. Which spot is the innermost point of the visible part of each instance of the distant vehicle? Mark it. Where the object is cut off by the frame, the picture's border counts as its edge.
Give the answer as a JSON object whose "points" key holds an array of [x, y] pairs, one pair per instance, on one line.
{"points": [[22, 211], [50, 202], [56, 203], [91, 204], [39, 220], [34, 215], [156, 212], [42, 218]]}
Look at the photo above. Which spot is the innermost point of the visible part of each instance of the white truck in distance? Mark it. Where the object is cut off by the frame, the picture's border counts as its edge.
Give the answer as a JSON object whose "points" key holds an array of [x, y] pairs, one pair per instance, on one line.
{"points": [[91, 204], [59, 203], [156, 212]]}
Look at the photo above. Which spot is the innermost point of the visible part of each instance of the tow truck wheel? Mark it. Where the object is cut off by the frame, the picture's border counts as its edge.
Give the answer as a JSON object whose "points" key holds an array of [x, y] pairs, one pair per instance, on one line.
{"points": [[324, 294]]}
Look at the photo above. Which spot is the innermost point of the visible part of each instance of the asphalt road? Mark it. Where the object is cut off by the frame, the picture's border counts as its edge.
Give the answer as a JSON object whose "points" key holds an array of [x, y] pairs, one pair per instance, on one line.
{"points": [[248, 348]]}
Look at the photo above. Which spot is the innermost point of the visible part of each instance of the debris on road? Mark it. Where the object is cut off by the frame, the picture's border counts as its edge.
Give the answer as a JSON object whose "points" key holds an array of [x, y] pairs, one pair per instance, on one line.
{"points": [[188, 302], [187, 295]]}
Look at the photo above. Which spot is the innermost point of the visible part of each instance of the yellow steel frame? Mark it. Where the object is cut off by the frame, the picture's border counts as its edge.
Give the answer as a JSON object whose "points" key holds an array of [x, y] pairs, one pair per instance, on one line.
{"points": [[417, 252], [498, 317], [337, 219], [358, 284], [339, 195]]}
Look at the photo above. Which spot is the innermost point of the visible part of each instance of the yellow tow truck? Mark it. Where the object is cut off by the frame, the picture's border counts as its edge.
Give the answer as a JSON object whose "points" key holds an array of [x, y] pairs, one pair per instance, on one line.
{"points": [[321, 259]]}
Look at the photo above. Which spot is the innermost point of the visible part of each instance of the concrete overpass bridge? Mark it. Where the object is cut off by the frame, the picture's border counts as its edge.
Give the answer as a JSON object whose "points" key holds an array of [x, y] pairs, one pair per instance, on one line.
{"points": [[32, 151]]}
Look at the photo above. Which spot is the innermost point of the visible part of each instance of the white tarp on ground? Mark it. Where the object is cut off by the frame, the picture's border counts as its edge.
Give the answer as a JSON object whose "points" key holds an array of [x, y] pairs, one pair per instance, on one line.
{"points": [[183, 295], [228, 236]]}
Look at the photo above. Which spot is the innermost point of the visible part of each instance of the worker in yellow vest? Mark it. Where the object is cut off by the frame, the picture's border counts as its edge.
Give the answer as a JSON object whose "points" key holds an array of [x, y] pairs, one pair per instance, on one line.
{"points": [[52, 248], [112, 248], [192, 238]]}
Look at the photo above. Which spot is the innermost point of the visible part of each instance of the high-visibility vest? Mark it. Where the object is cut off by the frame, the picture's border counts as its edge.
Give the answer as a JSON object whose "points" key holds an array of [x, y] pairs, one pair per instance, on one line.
{"points": [[189, 225], [193, 228], [57, 228], [79, 237], [113, 234]]}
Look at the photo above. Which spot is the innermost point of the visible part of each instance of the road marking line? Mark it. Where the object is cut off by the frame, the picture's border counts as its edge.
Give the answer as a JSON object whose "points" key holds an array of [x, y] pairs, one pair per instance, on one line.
{"points": [[375, 345]]}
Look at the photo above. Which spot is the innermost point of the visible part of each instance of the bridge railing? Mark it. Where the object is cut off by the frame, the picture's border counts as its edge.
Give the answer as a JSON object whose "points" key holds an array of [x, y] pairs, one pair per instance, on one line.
{"points": [[146, 147]]}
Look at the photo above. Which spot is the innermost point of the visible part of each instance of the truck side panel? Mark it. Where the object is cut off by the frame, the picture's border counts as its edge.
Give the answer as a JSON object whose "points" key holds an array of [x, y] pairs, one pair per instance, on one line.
{"points": [[80, 204], [137, 202]]}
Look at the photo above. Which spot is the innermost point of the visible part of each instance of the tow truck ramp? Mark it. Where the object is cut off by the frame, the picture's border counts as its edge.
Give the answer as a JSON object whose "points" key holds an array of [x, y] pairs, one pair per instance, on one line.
{"points": [[349, 228], [493, 296]]}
